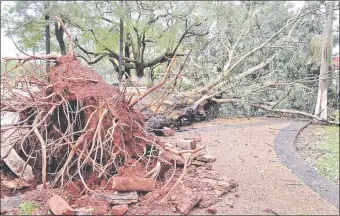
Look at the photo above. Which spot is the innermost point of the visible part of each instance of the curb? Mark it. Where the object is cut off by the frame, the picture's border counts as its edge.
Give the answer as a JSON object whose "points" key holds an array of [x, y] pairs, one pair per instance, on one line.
{"points": [[284, 145]]}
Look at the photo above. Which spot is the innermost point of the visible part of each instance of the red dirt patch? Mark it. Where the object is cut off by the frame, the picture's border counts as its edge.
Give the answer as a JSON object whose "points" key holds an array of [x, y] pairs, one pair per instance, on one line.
{"points": [[41, 198], [197, 191], [73, 190], [101, 207]]}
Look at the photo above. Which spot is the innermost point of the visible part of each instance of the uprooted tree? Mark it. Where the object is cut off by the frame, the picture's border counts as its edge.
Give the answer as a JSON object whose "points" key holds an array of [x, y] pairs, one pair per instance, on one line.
{"points": [[74, 119], [78, 120]]}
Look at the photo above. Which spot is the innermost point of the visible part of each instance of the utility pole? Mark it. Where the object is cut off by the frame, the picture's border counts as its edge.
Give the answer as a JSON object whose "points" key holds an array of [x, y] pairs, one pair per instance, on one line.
{"points": [[326, 62]]}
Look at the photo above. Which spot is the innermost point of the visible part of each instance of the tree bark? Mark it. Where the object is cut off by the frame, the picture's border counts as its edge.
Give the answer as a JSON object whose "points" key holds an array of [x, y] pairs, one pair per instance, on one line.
{"points": [[47, 34], [59, 32], [121, 44], [127, 55], [326, 58]]}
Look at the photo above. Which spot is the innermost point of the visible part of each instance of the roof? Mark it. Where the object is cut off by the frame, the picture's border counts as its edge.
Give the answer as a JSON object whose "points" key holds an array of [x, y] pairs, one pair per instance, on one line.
{"points": [[336, 61]]}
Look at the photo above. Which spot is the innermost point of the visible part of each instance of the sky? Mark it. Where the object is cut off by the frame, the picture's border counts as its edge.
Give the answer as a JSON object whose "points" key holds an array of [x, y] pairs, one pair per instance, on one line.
{"points": [[9, 50]]}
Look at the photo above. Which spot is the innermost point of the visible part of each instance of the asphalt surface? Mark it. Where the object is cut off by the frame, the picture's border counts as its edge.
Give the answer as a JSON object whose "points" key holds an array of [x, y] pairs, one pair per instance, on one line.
{"points": [[284, 145]]}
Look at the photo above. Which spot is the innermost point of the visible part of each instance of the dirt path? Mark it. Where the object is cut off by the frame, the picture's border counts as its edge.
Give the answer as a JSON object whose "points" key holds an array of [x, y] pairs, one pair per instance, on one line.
{"points": [[245, 152]]}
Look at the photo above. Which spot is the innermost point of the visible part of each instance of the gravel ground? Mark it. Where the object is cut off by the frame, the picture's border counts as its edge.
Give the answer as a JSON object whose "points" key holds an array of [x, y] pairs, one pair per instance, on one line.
{"points": [[245, 152]]}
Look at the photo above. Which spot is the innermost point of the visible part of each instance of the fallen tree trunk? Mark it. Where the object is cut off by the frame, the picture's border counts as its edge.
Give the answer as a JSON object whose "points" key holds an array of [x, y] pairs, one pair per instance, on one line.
{"points": [[200, 103], [221, 101]]}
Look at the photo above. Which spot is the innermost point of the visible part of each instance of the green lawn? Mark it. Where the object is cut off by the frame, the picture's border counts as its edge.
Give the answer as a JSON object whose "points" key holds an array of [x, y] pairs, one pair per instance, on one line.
{"points": [[328, 163]]}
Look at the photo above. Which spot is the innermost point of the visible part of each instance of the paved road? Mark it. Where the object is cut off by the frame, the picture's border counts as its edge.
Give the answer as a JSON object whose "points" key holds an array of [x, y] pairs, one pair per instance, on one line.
{"points": [[245, 152]]}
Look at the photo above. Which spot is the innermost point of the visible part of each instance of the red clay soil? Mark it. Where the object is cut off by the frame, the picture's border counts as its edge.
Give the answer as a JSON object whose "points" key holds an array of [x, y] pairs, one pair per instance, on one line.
{"points": [[195, 188], [40, 198], [131, 169], [74, 82], [101, 207], [70, 81]]}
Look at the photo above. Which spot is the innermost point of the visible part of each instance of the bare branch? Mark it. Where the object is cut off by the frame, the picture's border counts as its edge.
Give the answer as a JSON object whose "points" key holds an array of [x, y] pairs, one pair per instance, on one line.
{"points": [[226, 73], [116, 56], [254, 69], [220, 101], [167, 73], [91, 62], [26, 58]]}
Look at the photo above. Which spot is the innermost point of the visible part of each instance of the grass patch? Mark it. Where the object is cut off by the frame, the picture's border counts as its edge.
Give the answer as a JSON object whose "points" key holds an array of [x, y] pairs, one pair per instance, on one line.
{"points": [[328, 163], [27, 208]]}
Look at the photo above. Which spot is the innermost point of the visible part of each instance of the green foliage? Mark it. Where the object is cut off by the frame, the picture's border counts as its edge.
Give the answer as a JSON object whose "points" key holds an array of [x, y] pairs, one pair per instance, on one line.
{"points": [[328, 163], [295, 51], [27, 208], [295, 62], [316, 46], [25, 21]]}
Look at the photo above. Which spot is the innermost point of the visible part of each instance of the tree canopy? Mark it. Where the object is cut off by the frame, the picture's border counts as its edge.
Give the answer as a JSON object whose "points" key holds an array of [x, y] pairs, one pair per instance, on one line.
{"points": [[245, 44]]}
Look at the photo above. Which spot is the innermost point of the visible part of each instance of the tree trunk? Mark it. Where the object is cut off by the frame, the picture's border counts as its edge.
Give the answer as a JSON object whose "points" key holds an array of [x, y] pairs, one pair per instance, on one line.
{"points": [[326, 66], [121, 44], [127, 55], [59, 33], [47, 34], [139, 70]]}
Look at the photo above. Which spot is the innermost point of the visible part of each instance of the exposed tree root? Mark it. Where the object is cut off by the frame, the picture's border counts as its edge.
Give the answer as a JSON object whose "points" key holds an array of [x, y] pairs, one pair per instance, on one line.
{"points": [[77, 120], [187, 156]]}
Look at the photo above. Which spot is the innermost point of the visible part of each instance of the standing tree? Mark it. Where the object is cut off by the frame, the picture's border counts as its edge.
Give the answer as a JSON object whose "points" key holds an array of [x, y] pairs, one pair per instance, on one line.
{"points": [[121, 44], [326, 63], [47, 33], [151, 27]]}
